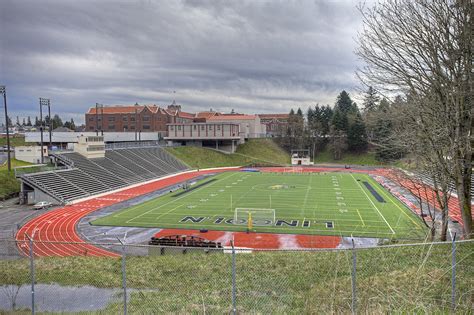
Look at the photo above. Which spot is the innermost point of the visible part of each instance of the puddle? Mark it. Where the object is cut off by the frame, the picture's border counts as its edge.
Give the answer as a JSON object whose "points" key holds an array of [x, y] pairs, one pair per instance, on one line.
{"points": [[56, 298]]}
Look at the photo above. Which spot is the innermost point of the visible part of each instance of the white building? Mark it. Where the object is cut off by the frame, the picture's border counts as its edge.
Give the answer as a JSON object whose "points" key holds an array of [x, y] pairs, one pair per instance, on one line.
{"points": [[90, 146], [222, 136], [30, 154], [250, 125]]}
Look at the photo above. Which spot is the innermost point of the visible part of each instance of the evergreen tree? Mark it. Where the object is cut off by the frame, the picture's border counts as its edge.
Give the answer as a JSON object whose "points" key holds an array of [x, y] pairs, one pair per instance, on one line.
{"points": [[357, 137], [24, 122], [344, 103], [339, 120], [17, 121], [37, 122], [326, 118], [28, 121], [371, 100], [46, 121], [57, 121]]}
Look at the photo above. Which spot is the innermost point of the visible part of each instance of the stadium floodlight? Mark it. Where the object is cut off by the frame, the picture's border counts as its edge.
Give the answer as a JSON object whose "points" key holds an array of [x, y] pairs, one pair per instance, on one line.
{"points": [[3, 91], [45, 102], [97, 106]]}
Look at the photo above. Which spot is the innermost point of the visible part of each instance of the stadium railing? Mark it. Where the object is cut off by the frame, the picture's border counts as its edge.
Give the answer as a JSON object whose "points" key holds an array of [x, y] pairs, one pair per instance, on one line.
{"points": [[411, 278]]}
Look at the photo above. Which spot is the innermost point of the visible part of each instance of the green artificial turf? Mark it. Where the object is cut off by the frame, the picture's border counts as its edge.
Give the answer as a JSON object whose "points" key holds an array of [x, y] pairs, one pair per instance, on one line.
{"points": [[303, 204]]}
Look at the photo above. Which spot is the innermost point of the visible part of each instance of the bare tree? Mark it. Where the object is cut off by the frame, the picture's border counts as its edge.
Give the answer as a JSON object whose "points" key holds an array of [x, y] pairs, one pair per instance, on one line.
{"points": [[337, 142], [423, 49]]}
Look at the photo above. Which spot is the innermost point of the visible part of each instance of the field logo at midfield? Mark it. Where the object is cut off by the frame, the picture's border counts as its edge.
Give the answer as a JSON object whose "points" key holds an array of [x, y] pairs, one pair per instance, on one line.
{"points": [[279, 187]]}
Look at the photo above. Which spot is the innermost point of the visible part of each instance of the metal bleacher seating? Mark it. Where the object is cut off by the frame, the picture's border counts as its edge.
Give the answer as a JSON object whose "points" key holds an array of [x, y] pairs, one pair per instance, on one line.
{"points": [[119, 168]]}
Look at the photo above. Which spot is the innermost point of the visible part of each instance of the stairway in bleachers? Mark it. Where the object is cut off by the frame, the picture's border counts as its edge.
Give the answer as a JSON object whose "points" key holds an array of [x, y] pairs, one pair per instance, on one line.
{"points": [[118, 169]]}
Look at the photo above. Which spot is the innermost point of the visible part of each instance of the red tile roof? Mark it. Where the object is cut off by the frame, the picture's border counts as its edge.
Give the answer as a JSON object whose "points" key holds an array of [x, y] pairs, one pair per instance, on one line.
{"points": [[185, 115], [206, 114], [233, 117], [123, 109], [269, 116]]}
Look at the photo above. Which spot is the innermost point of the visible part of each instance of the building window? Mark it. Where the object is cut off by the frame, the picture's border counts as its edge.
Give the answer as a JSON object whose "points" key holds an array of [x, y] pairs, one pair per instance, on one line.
{"points": [[132, 118], [202, 127], [194, 127], [218, 127], [112, 118], [125, 118], [91, 128], [146, 126], [132, 127], [125, 127], [111, 126], [179, 127], [146, 118], [91, 118], [171, 128], [210, 127]]}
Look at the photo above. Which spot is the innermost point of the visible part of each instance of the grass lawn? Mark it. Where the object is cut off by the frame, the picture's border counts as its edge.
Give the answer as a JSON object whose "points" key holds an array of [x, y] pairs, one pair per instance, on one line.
{"points": [[400, 280], [9, 184], [254, 151], [15, 141], [367, 158], [309, 203]]}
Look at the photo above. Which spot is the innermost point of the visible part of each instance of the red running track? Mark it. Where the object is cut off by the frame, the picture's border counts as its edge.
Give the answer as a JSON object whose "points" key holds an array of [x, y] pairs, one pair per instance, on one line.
{"points": [[58, 227]]}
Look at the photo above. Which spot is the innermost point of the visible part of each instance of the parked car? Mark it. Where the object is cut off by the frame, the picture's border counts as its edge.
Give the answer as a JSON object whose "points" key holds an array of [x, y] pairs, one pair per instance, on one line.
{"points": [[42, 205]]}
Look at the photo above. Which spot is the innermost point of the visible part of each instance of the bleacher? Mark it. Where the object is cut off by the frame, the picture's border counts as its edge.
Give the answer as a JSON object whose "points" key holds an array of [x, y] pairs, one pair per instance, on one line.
{"points": [[119, 168], [426, 178]]}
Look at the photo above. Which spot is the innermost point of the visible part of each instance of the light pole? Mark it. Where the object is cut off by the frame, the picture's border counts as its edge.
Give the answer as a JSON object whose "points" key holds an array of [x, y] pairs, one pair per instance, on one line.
{"points": [[3, 91], [44, 102], [97, 106]]}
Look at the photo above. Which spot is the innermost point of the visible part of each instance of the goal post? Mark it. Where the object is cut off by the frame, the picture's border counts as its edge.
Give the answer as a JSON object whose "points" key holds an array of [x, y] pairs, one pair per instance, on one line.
{"points": [[254, 216]]}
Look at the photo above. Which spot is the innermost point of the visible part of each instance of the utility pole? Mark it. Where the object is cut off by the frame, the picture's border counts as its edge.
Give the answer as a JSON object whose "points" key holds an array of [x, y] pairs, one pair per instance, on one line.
{"points": [[3, 91]]}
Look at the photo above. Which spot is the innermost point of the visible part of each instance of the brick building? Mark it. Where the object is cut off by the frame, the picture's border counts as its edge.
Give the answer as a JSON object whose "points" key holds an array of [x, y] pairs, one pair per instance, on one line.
{"points": [[144, 118], [275, 123]]}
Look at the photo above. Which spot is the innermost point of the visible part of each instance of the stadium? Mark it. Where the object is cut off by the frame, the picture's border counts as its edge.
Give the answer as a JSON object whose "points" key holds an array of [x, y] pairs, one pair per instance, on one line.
{"points": [[161, 210], [236, 157]]}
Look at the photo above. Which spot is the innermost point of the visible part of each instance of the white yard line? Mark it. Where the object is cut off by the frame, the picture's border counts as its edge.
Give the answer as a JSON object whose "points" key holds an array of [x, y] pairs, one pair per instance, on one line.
{"points": [[185, 195], [406, 214], [303, 209], [363, 223], [167, 212], [375, 207]]}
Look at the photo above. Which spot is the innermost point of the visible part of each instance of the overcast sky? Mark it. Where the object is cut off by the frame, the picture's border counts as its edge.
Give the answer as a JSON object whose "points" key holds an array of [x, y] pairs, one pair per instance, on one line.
{"points": [[252, 56]]}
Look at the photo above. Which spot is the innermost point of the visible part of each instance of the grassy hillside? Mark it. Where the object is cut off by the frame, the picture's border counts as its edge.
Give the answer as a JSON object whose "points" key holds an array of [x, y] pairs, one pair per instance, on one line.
{"points": [[255, 151], [9, 184], [15, 141], [389, 280], [367, 158]]}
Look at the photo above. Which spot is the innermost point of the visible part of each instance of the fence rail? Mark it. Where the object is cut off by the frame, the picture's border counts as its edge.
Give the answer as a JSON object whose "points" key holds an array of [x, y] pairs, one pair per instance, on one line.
{"points": [[428, 278]]}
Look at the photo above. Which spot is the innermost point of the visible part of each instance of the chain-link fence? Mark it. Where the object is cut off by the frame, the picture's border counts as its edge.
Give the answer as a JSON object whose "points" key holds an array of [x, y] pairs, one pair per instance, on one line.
{"points": [[141, 279]]}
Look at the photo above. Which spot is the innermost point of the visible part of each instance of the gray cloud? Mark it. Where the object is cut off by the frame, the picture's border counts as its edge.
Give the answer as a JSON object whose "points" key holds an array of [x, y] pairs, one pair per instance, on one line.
{"points": [[253, 56]]}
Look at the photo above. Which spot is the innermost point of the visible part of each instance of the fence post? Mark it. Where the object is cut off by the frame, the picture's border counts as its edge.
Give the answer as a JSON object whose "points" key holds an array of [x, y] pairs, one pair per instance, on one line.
{"points": [[453, 273], [353, 279], [124, 276], [234, 288], [32, 273]]}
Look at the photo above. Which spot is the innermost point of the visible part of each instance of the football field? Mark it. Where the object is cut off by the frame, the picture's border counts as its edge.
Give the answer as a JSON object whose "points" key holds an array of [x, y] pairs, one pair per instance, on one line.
{"points": [[299, 203]]}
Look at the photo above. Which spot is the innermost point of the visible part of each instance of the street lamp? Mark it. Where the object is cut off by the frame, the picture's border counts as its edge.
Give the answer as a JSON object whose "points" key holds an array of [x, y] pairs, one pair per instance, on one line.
{"points": [[3, 91], [45, 102]]}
